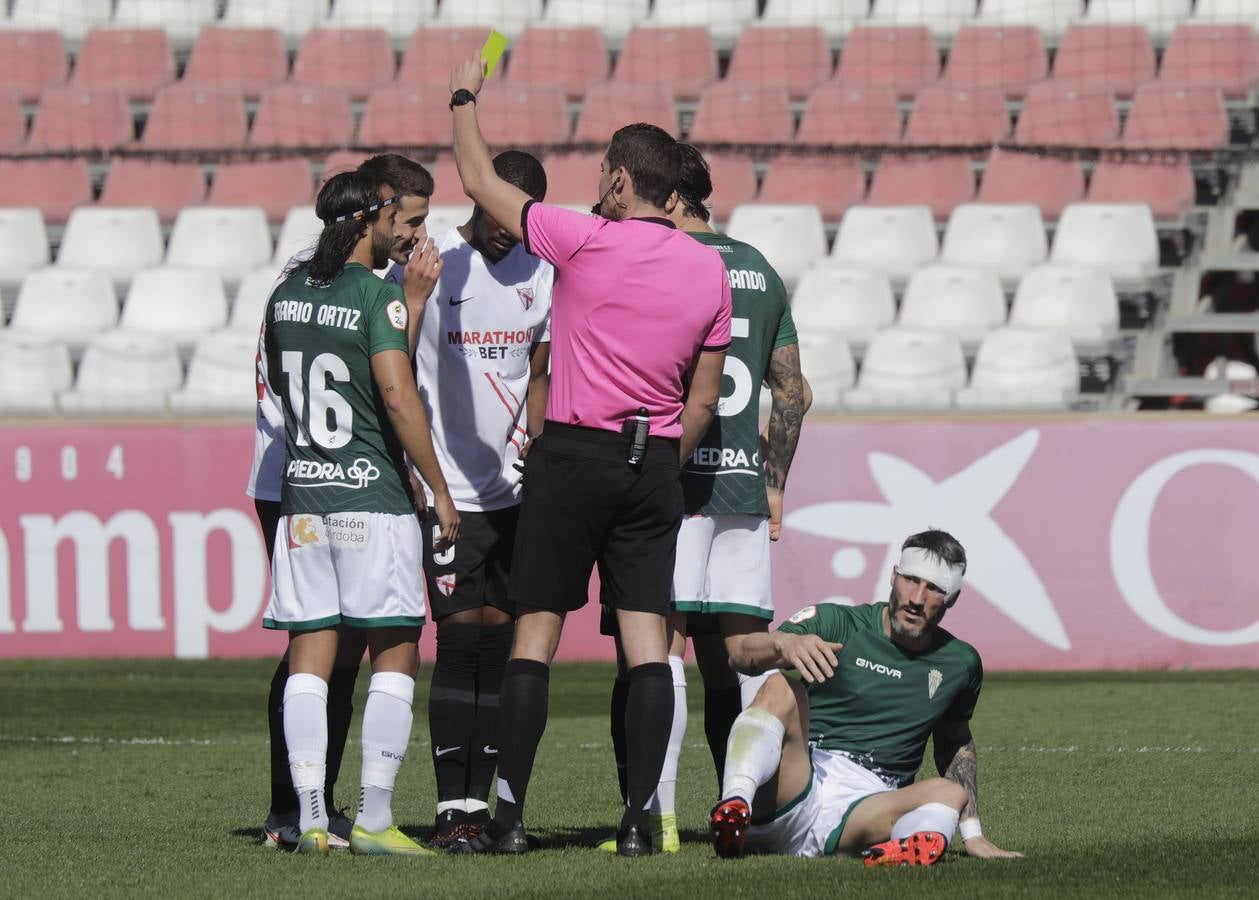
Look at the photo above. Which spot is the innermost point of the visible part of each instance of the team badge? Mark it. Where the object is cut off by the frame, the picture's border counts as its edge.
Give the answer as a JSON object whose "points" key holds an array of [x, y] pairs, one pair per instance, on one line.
{"points": [[934, 679], [305, 531], [446, 584], [526, 296], [803, 615], [397, 315]]}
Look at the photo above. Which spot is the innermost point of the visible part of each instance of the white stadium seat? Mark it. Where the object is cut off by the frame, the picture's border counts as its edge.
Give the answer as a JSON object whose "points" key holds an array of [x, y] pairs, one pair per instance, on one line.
{"points": [[1118, 238], [896, 240], [181, 19], [73, 18], [230, 240], [828, 364], [1051, 16], [23, 243], [613, 17], [723, 18], [1073, 299], [907, 370], [299, 232], [1021, 369], [1225, 12], [292, 17], [442, 218], [964, 302], [398, 17], [791, 235], [251, 299], [221, 377], [182, 304], [835, 300], [1006, 237], [33, 370], [943, 17], [125, 373], [119, 241], [835, 17], [1159, 16], [1230, 370], [65, 304], [510, 17]]}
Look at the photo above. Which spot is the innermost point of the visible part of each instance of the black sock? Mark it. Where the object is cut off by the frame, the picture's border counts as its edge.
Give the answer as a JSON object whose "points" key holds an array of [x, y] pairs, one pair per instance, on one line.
{"points": [[620, 696], [452, 707], [522, 713], [340, 712], [283, 799], [648, 719], [493, 648], [721, 707]]}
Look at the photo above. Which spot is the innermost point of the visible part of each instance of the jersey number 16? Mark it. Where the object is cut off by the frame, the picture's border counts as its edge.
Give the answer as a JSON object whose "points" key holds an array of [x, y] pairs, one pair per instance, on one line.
{"points": [[322, 414]]}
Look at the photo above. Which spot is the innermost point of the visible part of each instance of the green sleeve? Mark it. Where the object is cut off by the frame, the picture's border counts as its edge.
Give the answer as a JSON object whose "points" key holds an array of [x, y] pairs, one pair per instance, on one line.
{"points": [[963, 705], [829, 621], [385, 310], [786, 324]]}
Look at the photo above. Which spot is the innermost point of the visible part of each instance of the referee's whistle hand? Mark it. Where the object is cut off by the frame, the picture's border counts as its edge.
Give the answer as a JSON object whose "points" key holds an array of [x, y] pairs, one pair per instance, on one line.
{"points": [[469, 75]]}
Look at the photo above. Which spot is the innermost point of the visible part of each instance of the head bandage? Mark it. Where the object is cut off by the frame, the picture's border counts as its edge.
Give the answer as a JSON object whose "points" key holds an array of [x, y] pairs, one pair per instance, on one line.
{"points": [[921, 564]]}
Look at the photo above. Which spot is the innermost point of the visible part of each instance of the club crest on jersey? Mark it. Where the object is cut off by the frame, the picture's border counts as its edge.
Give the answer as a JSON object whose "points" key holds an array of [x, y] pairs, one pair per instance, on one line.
{"points": [[803, 615], [306, 531], [526, 296], [397, 315], [934, 679], [446, 584]]}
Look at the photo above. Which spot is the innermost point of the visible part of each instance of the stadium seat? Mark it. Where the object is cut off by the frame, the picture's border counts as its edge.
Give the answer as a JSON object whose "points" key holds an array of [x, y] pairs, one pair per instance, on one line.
{"points": [[119, 241], [743, 114], [135, 62], [182, 304], [23, 243], [66, 305], [31, 61], [299, 232], [1219, 56], [292, 17], [943, 17], [614, 18], [796, 58], [1118, 238], [962, 301], [230, 240], [1076, 300], [842, 300], [402, 114], [843, 113], [1050, 17], [276, 185], [250, 303], [514, 115], [1226, 11], [1069, 115], [832, 184], [339, 161], [948, 114], [180, 20], [682, 58], [1157, 17], [510, 17], [432, 53], [940, 182], [1021, 369], [835, 17], [33, 370], [570, 58], [1111, 58], [1168, 189], [12, 121], [724, 19], [221, 377], [443, 218], [166, 186], [791, 237], [298, 115], [399, 18], [734, 182], [354, 59], [1165, 115], [611, 104], [901, 58], [1008, 239], [828, 364], [54, 186], [248, 60], [1048, 182], [71, 118], [188, 116], [905, 369], [125, 372], [72, 19], [895, 240], [571, 179], [1006, 57]]}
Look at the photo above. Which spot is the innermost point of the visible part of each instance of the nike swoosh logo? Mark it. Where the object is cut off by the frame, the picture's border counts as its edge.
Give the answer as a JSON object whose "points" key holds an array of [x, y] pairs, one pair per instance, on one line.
{"points": [[442, 751], [453, 302], [489, 751]]}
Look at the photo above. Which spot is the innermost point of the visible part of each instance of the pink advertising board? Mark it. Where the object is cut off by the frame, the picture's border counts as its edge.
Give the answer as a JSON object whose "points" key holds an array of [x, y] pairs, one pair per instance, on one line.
{"points": [[1093, 543]]}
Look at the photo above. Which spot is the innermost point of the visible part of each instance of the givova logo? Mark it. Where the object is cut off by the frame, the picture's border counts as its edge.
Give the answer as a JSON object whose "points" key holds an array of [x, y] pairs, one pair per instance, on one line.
{"points": [[863, 663]]}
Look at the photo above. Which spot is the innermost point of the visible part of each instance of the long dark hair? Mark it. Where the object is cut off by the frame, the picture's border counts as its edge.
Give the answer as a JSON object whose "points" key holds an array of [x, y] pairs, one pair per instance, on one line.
{"points": [[342, 195]]}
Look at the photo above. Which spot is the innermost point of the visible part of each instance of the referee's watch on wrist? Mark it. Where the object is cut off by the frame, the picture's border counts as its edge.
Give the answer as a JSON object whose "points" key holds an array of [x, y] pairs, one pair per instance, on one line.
{"points": [[462, 97]]}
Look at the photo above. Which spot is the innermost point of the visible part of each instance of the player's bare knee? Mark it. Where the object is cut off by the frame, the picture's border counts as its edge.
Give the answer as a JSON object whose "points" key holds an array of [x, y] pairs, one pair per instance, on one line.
{"points": [[778, 697], [950, 793]]}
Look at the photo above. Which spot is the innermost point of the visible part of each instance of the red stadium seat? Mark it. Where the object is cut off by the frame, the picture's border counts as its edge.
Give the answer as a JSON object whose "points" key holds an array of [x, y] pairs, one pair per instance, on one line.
{"points": [[1219, 56], [54, 186], [448, 190], [572, 179], [187, 116], [403, 114], [796, 58], [734, 182], [1068, 115], [1007, 57], [1117, 58], [850, 114], [296, 115], [832, 184], [70, 118], [515, 115], [946, 114], [940, 183], [572, 58], [433, 52], [12, 120], [31, 61], [901, 58], [341, 161], [1048, 182], [611, 104], [276, 185], [245, 59], [1167, 189], [743, 114], [1165, 115], [135, 62], [166, 186], [683, 58], [355, 59]]}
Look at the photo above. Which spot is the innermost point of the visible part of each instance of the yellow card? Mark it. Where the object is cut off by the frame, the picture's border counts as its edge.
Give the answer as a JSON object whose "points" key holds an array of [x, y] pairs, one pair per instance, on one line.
{"points": [[492, 52]]}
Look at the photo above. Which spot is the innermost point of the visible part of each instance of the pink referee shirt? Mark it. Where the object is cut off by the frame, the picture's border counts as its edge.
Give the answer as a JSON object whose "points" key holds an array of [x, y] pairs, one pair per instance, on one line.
{"points": [[634, 302]]}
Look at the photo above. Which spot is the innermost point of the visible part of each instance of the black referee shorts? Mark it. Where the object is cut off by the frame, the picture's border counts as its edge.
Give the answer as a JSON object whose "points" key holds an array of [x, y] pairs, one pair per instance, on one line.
{"points": [[584, 505], [473, 572]]}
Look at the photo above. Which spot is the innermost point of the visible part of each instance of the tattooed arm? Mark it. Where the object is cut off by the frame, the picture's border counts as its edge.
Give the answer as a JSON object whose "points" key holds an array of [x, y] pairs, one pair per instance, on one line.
{"points": [[956, 760], [787, 390]]}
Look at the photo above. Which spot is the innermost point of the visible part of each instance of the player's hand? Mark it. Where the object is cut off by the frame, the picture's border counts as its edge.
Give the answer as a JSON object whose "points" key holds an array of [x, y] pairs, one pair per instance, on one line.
{"points": [[775, 498], [447, 519], [420, 276], [417, 495], [811, 656], [469, 75], [982, 848]]}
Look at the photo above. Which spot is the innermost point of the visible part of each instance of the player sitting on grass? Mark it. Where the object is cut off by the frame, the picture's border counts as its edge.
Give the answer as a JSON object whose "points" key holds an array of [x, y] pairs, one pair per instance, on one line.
{"points": [[827, 767]]}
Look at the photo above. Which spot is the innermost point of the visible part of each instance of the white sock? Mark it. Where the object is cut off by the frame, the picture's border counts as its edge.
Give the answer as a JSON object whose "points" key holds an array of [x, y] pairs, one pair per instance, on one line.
{"points": [[448, 805], [475, 806], [662, 802], [386, 732], [929, 817], [306, 733], [753, 753], [749, 685]]}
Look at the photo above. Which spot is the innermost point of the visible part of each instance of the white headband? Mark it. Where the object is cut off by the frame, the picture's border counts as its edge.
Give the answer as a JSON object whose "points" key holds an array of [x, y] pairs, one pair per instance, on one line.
{"points": [[929, 567]]}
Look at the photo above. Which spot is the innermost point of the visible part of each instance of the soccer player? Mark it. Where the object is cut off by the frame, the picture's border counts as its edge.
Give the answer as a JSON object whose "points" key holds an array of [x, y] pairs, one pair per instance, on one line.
{"points": [[827, 766], [481, 364], [338, 359]]}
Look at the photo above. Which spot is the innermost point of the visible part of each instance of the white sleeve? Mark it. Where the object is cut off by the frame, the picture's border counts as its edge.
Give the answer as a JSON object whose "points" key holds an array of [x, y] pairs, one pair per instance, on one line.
{"points": [[544, 280]]}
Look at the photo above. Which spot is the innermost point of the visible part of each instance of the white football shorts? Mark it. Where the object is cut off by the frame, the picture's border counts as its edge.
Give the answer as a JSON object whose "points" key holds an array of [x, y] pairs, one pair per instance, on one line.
{"points": [[361, 569], [723, 566]]}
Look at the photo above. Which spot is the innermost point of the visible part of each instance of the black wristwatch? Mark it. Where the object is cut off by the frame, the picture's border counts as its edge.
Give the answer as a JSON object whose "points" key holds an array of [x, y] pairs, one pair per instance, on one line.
{"points": [[462, 97]]}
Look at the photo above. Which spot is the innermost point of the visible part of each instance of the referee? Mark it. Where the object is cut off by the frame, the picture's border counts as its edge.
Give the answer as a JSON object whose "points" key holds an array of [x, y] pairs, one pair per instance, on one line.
{"points": [[639, 331]]}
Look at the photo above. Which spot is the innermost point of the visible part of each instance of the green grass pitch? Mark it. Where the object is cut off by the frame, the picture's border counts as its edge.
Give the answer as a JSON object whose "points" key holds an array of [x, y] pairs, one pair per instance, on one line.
{"points": [[148, 778]]}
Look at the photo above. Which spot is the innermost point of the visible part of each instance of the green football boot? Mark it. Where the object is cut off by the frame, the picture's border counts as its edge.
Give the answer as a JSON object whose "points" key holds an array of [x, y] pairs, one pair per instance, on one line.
{"points": [[314, 840], [390, 842]]}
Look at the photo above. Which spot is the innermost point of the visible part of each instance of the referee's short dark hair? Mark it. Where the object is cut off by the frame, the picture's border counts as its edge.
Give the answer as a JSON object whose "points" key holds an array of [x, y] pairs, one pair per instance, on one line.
{"points": [[695, 185], [405, 176], [650, 155], [523, 170]]}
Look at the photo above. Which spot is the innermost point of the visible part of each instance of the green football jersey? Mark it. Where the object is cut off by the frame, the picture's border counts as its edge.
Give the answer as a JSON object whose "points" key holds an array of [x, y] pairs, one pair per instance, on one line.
{"points": [[883, 702], [725, 474], [343, 454]]}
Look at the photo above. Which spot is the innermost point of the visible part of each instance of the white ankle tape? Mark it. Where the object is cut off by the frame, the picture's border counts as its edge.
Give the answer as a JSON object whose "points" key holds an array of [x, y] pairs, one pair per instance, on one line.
{"points": [[395, 684], [305, 683]]}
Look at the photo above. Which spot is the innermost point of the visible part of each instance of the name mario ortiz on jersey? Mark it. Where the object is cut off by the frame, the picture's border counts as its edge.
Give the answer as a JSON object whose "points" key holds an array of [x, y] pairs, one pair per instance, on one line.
{"points": [[329, 314], [492, 344]]}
